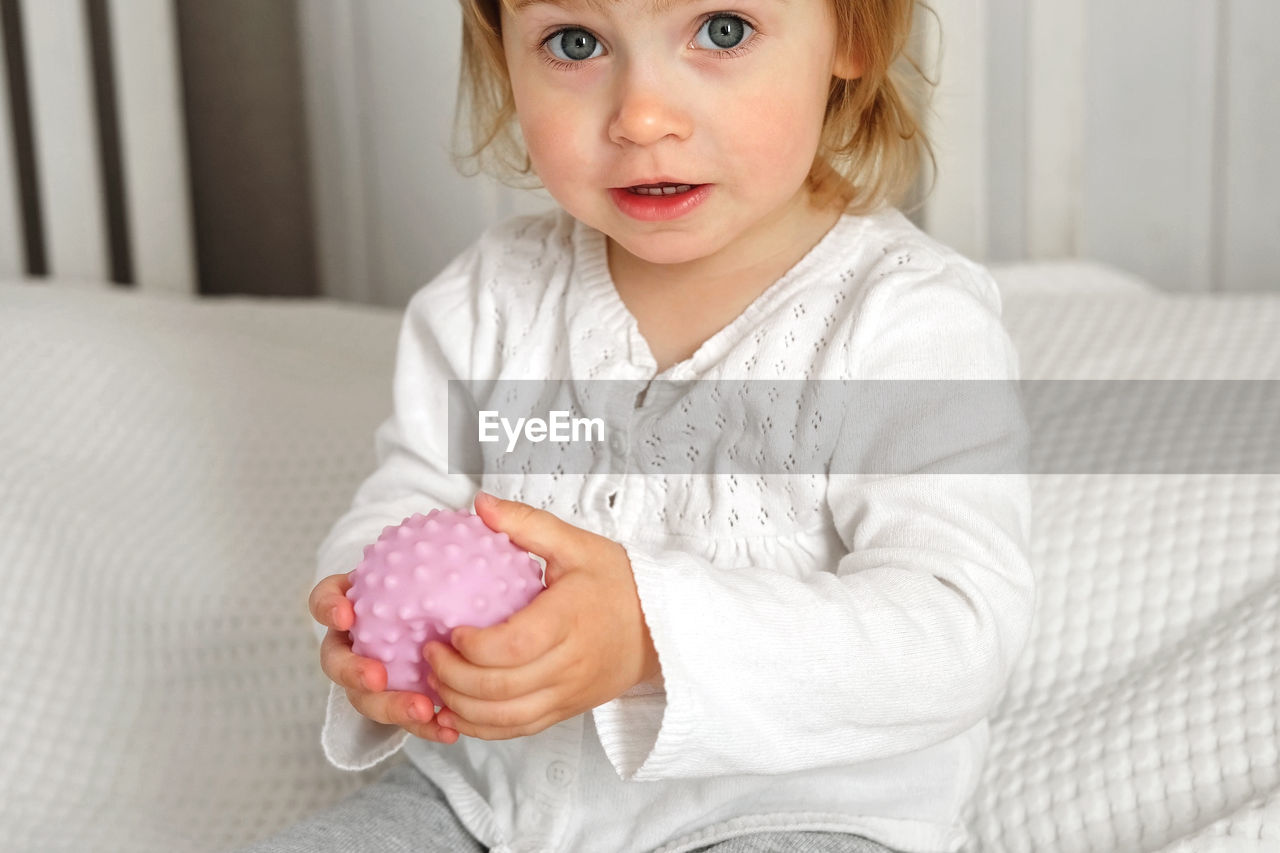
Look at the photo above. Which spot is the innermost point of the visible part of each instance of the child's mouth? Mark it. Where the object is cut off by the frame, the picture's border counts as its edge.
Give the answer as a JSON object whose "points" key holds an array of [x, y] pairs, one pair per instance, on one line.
{"points": [[661, 189], [658, 202]]}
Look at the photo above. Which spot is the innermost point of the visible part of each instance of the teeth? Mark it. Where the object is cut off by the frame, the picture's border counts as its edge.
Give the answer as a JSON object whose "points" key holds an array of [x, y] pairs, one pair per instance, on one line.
{"points": [[682, 188]]}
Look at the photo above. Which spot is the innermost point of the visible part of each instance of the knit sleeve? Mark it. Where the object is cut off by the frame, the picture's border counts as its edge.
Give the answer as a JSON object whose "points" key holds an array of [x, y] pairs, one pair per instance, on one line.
{"points": [[441, 338], [906, 641]]}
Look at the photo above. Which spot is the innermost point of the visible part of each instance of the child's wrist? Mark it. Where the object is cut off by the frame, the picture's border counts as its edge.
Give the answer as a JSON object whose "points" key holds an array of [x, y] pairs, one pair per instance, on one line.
{"points": [[652, 666]]}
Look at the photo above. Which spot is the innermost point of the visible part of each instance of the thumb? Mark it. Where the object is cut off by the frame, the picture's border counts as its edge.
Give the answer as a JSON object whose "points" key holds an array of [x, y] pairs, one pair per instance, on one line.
{"points": [[530, 528]]}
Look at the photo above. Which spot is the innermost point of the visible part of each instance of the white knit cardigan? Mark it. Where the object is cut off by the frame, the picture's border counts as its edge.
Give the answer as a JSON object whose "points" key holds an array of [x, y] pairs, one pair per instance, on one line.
{"points": [[830, 645]]}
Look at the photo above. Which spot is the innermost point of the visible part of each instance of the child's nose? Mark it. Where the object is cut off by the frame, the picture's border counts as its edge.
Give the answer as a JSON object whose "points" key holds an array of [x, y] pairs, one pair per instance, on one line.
{"points": [[647, 114]]}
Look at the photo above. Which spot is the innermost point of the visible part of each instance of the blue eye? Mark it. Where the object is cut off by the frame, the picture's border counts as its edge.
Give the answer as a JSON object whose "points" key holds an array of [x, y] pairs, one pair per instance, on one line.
{"points": [[576, 44], [725, 31]]}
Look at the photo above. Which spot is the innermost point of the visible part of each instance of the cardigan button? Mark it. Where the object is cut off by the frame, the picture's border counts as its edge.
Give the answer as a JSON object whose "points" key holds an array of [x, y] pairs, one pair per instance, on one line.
{"points": [[559, 774]]}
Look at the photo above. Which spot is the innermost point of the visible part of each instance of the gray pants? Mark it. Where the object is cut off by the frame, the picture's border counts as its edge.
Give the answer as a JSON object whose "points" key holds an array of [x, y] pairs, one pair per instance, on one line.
{"points": [[403, 812]]}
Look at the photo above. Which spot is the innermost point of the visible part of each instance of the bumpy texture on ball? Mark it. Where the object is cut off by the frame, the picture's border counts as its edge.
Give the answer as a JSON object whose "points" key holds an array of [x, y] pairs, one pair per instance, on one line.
{"points": [[428, 575]]}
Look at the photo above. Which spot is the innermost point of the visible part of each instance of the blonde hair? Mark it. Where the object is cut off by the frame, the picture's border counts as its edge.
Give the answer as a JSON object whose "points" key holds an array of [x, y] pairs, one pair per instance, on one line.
{"points": [[873, 142]]}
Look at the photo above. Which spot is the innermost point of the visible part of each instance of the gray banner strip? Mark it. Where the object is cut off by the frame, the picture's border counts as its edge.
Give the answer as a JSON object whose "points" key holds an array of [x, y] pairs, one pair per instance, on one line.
{"points": [[865, 427]]}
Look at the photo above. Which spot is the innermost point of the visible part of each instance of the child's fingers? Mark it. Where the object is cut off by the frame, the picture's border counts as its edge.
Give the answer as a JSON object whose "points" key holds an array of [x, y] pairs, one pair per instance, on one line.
{"points": [[365, 679], [432, 730], [328, 602], [346, 668], [396, 707], [411, 711]]}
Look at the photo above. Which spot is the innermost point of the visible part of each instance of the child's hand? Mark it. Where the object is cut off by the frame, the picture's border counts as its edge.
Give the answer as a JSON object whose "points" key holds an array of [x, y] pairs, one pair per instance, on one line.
{"points": [[365, 679], [580, 643]]}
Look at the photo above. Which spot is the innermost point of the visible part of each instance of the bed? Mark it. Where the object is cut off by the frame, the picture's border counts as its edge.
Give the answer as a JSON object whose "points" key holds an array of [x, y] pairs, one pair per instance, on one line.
{"points": [[170, 464]]}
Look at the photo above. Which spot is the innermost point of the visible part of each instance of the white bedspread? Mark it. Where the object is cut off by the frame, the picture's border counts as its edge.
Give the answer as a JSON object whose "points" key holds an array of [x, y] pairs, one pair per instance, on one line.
{"points": [[167, 468]]}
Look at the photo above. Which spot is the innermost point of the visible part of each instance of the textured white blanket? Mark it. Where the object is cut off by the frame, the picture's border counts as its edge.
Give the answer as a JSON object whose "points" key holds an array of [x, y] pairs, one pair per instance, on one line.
{"points": [[167, 468]]}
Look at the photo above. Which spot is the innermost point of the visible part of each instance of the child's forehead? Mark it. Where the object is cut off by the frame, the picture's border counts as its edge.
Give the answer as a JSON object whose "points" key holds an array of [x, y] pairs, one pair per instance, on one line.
{"points": [[654, 6]]}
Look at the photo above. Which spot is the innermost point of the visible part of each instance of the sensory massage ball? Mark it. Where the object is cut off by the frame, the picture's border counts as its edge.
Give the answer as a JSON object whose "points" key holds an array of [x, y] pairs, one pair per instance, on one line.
{"points": [[426, 576]]}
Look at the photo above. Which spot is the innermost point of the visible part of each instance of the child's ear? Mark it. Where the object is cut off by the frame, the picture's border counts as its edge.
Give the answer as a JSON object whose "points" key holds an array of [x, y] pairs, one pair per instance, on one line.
{"points": [[847, 66]]}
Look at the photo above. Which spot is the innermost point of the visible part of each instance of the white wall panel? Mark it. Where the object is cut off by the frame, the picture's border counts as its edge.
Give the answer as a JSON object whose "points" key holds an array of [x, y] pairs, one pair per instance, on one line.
{"points": [[1055, 126], [1148, 145], [407, 209], [957, 211], [1006, 125], [1249, 229]]}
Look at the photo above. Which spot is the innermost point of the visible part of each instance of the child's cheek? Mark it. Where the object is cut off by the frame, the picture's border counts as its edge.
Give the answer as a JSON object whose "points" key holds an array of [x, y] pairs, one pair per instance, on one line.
{"points": [[780, 132], [553, 136]]}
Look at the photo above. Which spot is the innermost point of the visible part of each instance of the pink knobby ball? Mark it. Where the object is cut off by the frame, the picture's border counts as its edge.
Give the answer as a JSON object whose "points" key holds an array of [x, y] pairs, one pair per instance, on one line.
{"points": [[428, 575]]}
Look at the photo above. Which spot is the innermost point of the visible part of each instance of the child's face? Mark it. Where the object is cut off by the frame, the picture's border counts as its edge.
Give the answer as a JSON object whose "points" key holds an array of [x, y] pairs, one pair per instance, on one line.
{"points": [[730, 95]]}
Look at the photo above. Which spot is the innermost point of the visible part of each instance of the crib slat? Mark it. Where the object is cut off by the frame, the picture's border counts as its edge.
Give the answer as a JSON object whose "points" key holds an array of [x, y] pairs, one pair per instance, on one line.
{"points": [[147, 73], [66, 138], [12, 257]]}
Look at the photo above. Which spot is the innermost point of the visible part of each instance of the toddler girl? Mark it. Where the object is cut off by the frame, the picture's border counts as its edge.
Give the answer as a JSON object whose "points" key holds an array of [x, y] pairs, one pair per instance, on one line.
{"points": [[729, 662]]}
